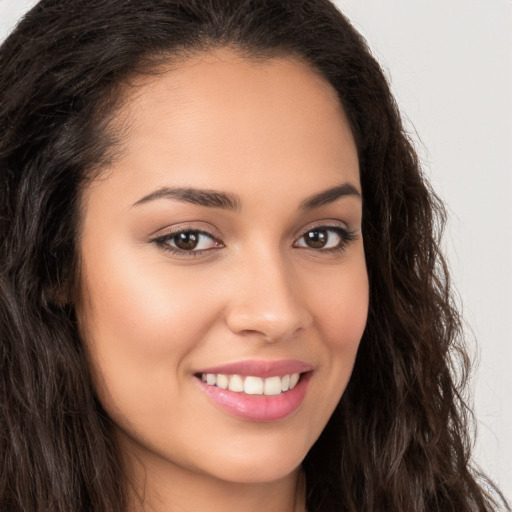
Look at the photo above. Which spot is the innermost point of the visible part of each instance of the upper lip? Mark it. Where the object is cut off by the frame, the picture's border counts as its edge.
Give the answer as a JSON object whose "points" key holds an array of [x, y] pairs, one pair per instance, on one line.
{"points": [[261, 369]]}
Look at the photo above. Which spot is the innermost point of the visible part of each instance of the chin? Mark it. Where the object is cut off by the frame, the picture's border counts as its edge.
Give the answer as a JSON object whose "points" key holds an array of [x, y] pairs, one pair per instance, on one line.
{"points": [[257, 466]]}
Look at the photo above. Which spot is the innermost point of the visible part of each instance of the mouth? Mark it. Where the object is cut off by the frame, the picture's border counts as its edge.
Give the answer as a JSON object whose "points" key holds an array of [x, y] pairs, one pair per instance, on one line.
{"points": [[252, 384], [257, 391]]}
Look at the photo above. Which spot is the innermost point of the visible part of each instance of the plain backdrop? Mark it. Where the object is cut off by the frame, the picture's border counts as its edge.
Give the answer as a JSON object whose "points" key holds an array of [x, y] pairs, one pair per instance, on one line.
{"points": [[450, 66]]}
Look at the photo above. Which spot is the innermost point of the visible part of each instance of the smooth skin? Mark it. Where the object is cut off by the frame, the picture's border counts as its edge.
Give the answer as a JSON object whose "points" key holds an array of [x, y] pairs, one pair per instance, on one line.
{"points": [[170, 286]]}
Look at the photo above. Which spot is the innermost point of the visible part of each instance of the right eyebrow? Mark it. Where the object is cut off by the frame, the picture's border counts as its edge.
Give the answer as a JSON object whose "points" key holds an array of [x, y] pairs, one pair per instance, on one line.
{"points": [[329, 196], [201, 197]]}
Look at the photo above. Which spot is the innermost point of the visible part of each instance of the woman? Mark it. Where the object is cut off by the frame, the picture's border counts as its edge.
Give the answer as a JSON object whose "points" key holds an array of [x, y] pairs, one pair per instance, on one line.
{"points": [[190, 317]]}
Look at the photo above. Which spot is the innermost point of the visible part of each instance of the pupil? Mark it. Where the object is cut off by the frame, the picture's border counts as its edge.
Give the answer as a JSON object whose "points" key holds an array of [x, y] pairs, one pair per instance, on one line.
{"points": [[187, 241], [316, 239]]}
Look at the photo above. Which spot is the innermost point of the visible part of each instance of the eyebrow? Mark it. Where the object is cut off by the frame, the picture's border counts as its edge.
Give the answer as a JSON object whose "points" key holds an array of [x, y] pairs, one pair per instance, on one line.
{"points": [[230, 201], [329, 196], [201, 197]]}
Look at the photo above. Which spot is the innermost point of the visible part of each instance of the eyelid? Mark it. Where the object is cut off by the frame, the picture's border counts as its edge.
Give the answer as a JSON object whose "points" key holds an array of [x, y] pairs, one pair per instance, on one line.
{"points": [[188, 225], [324, 223]]}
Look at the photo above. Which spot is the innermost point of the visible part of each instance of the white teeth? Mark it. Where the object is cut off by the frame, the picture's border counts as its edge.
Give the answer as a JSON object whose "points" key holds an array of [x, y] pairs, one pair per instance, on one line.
{"points": [[222, 381], [285, 383], [236, 383], [251, 385], [272, 386]]}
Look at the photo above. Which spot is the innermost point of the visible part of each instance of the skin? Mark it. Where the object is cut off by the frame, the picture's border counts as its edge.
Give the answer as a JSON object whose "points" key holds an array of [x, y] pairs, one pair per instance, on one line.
{"points": [[272, 132]]}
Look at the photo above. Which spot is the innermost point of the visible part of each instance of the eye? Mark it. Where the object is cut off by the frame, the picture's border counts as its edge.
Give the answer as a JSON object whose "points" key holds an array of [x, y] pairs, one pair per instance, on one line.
{"points": [[325, 238], [188, 241]]}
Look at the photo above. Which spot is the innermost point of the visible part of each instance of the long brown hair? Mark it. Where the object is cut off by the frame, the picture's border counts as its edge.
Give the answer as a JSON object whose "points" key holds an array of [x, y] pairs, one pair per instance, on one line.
{"points": [[399, 439]]}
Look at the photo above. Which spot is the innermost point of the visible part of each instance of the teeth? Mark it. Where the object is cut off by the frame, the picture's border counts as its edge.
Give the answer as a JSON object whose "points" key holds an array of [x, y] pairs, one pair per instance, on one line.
{"points": [[236, 383], [222, 381], [285, 383], [272, 386], [251, 385], [294, 378]]}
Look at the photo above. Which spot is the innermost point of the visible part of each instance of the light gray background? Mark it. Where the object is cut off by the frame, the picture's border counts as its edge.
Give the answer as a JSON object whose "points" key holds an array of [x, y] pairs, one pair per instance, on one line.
{"points": [[450, 67]]}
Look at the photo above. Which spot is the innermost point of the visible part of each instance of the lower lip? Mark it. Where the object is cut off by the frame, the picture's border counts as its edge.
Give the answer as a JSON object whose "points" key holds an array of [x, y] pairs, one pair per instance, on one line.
{"points": [[260, 408]]}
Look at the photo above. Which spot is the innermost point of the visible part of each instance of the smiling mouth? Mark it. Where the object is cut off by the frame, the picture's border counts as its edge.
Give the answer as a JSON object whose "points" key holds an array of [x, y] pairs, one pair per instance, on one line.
{"points": [[252, 385]]}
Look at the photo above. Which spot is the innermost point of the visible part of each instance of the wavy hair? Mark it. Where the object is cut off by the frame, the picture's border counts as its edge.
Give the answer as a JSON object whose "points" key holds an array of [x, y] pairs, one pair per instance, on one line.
{"points": [[398, 441]]}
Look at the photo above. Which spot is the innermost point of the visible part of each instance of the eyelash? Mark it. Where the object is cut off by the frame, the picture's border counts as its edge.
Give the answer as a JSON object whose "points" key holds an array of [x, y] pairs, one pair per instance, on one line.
{"points": [[346, 237]]}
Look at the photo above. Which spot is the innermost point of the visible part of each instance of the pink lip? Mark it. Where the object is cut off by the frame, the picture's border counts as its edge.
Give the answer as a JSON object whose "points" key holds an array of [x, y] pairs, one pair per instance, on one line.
{"points": [[260, 408], [261, 369]]}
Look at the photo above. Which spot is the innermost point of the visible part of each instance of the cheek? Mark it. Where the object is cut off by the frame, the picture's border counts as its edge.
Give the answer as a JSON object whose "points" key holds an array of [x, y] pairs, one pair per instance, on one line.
{"points": [[341, 309], [341, 303], [344, 315], [137, 325], [143, 304]]}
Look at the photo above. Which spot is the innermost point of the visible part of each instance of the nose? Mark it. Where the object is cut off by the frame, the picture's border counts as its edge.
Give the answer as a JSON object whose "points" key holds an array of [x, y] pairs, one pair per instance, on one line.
{"points": [[266, 300]]}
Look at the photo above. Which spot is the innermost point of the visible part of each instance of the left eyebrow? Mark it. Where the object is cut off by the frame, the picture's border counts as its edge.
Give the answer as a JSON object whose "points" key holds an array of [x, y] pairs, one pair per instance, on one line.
{"points": [[329, 196]]}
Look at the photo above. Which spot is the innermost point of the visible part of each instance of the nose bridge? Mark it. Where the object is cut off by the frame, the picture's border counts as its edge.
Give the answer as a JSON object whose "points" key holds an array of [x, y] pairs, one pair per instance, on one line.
{"points": [[267, 300]]}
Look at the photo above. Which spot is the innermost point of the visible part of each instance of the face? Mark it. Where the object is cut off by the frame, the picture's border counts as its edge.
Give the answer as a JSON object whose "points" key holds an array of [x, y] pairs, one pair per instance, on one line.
{"points": [[224, 286]]}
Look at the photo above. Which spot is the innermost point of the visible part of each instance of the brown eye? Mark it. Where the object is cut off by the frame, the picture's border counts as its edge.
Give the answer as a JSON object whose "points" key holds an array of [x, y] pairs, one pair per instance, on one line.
{"points": [[325, 238], [190, 241], [186, 241], [317, 238]]}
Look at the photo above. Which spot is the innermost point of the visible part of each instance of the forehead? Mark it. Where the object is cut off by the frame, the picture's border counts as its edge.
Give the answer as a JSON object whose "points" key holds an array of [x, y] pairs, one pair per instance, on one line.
{"points": [[218, 120]]}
